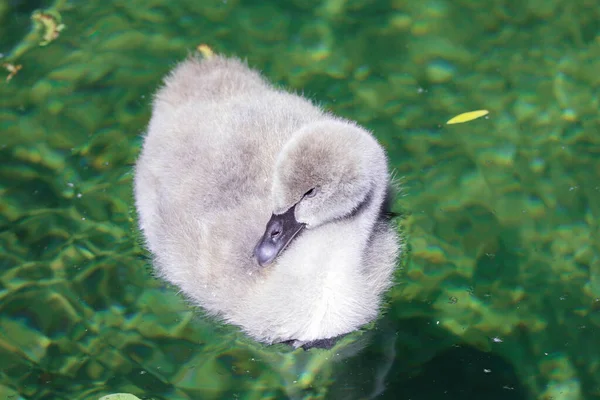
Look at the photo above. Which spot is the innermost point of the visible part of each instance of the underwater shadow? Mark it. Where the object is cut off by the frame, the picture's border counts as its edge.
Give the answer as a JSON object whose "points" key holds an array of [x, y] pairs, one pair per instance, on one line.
{"points": [[416, 359]]}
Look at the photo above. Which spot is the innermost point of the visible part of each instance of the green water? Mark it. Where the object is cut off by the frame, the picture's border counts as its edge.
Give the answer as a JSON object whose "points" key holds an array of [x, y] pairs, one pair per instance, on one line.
{"points": [[498, 295]]}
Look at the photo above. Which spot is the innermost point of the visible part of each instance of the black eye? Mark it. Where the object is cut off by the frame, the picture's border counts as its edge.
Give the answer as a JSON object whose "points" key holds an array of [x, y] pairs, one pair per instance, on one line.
{"points": [[310, 193]]}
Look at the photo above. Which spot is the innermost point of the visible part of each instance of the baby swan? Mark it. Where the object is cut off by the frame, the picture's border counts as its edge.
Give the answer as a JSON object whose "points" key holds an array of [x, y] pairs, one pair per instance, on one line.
{"points": [[227, 154]]}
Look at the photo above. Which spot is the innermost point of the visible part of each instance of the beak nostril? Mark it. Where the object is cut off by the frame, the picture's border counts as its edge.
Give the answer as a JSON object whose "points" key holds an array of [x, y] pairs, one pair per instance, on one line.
{"points": [[279, 232]]}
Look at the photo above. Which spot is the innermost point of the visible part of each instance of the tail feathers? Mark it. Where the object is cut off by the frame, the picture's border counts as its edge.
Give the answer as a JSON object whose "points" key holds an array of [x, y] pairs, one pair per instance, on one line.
{"points": [[208, 78]]}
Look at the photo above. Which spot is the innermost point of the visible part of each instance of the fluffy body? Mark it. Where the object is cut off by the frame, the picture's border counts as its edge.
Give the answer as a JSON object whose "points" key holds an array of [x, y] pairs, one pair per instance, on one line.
{"points": [[223, 151]]}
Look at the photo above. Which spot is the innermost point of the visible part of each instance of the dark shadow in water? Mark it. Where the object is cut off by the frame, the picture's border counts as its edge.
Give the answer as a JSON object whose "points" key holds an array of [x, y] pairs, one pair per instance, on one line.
{"points": [[418, 360], [459, 373]]}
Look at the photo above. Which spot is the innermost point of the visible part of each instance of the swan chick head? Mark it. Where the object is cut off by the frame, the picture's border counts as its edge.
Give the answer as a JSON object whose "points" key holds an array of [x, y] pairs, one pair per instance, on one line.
{"points": [[327, 171]]}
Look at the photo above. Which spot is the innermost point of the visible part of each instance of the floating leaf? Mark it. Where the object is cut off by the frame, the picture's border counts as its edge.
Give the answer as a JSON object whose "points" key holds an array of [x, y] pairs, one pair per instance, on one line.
{"points": [[12, 69], [205, 50], [468, 116], [49, 23], [119, 396]]}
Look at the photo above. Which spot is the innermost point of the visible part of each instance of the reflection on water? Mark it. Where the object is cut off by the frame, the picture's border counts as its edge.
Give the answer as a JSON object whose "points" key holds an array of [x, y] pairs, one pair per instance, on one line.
{"points": [[499, 294]]}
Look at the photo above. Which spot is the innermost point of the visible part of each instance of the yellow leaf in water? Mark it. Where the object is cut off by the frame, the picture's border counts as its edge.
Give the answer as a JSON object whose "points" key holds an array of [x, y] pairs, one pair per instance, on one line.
{"points": [[205, 50], [468, 116]]}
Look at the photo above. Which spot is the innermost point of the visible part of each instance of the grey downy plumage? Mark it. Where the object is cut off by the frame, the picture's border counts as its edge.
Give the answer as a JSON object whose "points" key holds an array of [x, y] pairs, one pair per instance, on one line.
{"points": [[262, 208]]}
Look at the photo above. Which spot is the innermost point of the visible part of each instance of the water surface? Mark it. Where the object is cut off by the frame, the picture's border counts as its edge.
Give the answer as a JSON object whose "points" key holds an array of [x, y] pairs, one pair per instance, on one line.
{"points": [[498, 294]]}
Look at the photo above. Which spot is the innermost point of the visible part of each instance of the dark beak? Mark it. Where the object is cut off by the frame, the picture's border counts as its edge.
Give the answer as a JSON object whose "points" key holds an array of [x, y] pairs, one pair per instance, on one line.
{"points": [[281, 229]]}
